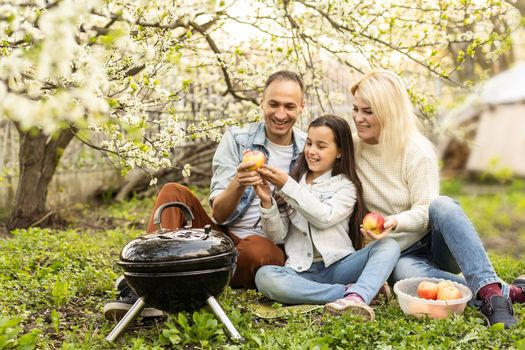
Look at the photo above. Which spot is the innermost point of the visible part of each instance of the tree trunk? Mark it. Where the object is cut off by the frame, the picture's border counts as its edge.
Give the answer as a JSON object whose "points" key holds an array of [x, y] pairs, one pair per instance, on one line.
{"points": [[39, 156]]}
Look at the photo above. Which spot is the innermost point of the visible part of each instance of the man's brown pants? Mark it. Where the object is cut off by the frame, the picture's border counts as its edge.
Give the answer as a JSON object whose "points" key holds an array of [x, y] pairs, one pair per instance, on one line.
{"points": [[254, 251]]}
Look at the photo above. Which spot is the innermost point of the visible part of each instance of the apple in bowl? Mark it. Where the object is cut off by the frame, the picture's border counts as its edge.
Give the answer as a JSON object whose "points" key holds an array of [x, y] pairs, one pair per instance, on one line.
{"points": [[443, 290], [427, 290], [448, 293], [414, 304]]}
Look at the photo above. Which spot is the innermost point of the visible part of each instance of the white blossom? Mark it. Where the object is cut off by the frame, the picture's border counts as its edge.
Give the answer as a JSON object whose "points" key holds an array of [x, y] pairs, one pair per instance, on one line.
{"points": [[134, 70], [186, 172]]}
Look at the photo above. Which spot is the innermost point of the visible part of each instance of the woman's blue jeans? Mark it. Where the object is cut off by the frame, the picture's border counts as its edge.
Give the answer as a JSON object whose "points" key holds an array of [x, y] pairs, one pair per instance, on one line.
{"points": [[367, 268], [453, 246]]}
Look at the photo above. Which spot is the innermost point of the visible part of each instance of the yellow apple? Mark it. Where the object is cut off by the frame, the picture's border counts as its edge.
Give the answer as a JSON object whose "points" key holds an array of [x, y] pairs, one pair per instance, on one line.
{"points": [[256, 157], [448, 293], [373, 222], [442, 284]]}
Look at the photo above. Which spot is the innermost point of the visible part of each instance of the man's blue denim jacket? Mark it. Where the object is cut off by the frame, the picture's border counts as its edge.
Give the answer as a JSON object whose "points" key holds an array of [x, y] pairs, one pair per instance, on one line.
{"points": [[228, 156]]}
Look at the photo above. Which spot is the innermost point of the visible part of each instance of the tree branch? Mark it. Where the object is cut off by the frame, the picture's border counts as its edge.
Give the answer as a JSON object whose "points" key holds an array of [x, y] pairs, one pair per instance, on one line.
{"points": [[229, 85]]}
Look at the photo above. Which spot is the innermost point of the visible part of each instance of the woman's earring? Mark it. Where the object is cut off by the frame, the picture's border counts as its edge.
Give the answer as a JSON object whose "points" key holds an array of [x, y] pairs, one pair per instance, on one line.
{"points": [[338, 156]]}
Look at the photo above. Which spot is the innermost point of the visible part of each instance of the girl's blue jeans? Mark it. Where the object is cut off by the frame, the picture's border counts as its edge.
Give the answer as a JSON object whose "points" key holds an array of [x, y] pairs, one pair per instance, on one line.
{"points": [[367, 269]]}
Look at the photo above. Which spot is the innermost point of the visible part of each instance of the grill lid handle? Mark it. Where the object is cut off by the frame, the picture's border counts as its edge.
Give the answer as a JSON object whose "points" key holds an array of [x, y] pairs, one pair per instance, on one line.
{"points": [[188, 215]]}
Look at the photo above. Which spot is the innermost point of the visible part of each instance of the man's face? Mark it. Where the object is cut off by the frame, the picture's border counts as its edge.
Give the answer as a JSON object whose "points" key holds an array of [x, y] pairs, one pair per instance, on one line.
{"points": [[282, 104]]}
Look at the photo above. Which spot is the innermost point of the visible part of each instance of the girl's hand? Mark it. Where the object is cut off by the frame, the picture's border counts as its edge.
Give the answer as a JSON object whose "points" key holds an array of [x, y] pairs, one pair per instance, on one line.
{"points": [[264, 193], [273, 175], [389, 225]]}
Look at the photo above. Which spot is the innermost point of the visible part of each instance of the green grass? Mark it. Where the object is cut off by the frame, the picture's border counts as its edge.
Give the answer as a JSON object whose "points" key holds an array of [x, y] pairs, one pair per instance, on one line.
{"points": [[497, 212], [54, 284]]}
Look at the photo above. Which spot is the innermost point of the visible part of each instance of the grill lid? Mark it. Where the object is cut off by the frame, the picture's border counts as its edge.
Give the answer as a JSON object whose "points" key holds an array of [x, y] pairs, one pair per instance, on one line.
{"points": [[178, 245]]}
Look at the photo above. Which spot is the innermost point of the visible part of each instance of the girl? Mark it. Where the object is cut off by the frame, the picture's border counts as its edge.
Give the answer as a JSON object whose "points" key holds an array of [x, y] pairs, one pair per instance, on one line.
{"points": [[321, 241], [400, 175]]}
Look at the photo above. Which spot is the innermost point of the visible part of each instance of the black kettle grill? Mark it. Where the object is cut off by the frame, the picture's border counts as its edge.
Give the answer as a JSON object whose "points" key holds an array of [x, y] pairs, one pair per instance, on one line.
{"points": [[176, 270]]}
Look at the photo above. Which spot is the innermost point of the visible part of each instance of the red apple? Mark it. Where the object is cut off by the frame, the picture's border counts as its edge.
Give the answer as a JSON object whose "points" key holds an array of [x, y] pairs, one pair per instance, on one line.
{"points": [[427, 290], [256, 157], [373, 222], [448, 293]]}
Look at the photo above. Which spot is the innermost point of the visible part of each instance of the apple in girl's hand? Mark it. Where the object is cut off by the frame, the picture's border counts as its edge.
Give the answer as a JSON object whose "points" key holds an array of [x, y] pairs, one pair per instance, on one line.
{"points": [[448, 292], [427, 290], [373, 222], [256, 157]]}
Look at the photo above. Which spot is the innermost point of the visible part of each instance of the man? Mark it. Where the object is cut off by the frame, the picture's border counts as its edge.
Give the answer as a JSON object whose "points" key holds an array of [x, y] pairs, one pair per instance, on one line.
{"points": [[232, 197]]}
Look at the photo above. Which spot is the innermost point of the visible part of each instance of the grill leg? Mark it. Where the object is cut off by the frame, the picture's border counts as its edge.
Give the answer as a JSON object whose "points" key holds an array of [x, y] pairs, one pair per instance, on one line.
{"points": [[127, 320], [221, 315]]}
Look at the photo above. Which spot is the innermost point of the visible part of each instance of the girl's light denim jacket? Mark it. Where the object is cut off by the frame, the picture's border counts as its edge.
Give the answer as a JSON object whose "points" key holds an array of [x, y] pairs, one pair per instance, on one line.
{"points": [[229, 154], [319, 213]]}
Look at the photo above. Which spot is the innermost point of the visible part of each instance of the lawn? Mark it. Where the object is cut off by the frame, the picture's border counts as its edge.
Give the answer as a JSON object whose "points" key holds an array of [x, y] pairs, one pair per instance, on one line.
{"points": [[54, 284]]}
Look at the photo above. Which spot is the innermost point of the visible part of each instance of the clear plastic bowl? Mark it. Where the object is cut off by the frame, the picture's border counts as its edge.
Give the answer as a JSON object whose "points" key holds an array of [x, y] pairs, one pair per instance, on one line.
{"points": [[411, 304]]}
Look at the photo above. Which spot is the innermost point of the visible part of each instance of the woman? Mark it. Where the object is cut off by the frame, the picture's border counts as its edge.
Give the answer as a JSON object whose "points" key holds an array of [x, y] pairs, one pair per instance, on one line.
{"points": [[399, 172], [324, 263]]}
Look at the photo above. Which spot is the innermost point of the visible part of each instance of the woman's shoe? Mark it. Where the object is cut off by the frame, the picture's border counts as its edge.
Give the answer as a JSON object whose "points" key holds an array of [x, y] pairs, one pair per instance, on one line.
{"points": [[498, 309]]}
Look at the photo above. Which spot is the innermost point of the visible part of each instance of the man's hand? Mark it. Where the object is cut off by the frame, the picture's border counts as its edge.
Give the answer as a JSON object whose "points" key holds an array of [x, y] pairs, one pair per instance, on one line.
{"points": [[246, 177], [225, 203]]}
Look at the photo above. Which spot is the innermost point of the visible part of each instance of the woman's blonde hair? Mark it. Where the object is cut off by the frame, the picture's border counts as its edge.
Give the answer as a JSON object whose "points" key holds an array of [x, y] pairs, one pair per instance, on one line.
{"points": [[388, 98]]}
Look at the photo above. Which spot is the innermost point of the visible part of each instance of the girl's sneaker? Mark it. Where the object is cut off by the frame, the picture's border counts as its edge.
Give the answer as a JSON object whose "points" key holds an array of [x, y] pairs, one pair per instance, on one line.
{"points": [[384, 294], [352, 303]]}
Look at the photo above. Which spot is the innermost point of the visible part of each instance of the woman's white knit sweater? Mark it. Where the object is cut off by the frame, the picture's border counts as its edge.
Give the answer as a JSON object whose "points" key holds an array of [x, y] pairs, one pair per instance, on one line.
{"points": [[402, 188]]}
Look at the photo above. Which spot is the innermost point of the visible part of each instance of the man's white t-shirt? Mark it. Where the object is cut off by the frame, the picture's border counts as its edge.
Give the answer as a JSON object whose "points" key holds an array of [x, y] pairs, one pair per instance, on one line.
{"points": [[279, 157]]}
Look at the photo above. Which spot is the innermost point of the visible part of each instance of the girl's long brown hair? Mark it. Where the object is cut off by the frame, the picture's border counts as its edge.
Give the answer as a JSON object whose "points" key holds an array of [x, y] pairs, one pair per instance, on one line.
{"points": [[343, 165]]}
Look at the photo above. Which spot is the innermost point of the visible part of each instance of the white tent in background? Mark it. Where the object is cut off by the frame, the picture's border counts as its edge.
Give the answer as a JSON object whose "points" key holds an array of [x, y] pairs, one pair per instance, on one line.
{"points": [[496, 118]]}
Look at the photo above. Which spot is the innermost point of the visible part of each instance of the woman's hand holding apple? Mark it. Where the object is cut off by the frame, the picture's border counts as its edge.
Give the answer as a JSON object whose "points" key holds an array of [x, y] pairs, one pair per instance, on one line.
{"points": [[389, 224], [374, 236]]}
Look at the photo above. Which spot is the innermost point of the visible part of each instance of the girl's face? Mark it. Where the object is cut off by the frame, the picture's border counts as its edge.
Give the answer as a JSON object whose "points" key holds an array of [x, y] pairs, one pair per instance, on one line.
{"points": [[366, 123], [320, 150]]}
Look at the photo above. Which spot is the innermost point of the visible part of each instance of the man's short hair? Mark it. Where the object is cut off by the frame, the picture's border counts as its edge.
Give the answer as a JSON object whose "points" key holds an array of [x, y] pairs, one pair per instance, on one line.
{"points": [[285, 75]]}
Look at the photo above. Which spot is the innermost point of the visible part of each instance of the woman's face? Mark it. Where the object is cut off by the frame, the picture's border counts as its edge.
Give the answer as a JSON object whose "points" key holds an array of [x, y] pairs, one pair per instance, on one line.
{"points": [[366, 123], [320, 150]]}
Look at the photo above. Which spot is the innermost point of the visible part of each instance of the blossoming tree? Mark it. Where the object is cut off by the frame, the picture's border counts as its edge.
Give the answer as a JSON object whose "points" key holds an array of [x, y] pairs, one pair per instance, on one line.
{"points": [[123, 68]]}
